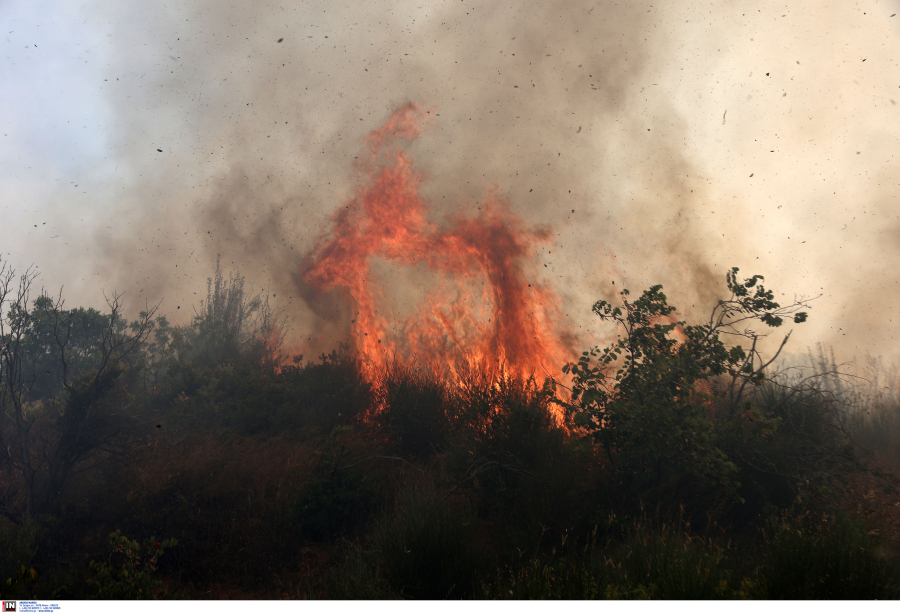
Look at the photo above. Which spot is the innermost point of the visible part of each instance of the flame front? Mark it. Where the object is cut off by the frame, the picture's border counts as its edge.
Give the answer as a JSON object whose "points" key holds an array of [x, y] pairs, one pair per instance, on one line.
{"points": [[484, 311]]}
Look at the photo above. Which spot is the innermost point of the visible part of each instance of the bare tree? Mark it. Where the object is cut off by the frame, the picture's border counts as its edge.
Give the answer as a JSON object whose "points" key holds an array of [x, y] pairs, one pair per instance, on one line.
{"points": [[46, 442], [14, 387]]}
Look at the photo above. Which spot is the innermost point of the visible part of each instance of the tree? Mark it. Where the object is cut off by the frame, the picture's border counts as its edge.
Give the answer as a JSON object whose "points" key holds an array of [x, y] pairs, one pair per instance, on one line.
{"points": [[41, 360], [46, 439], [647, 398]]}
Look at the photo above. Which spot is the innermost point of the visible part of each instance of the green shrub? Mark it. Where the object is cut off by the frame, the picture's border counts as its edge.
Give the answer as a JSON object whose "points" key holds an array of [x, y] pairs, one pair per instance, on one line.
{"points": [[251, 400], [234, 325], [128, 575], [645, 398], [327, 393], [19, 546], [788, 433]]}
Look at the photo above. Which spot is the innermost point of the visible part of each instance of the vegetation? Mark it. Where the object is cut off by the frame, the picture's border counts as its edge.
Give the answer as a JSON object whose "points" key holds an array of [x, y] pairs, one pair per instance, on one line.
{"points": [[675, 463], [131, 576]]}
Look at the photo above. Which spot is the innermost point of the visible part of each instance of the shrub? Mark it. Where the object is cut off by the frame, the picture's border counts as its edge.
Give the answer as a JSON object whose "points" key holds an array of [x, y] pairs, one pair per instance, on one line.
{"points": [[649, 561], [358, 578], [130, 576], [414, 407], [510, 456], [647, 398], [425, 547], [667, 564], [19, 544], [788, 433], [331, 506], [251, 400], [329, 392], [233, 326], [823, 557]]}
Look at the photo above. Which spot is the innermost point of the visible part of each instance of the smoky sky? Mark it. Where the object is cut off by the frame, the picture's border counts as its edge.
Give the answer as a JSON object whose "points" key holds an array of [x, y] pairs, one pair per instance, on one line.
{"points": [[660, 143]]}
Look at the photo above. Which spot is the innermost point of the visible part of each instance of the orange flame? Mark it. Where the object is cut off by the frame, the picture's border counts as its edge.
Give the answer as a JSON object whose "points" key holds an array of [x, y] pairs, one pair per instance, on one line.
{"points": [[484, 310]]}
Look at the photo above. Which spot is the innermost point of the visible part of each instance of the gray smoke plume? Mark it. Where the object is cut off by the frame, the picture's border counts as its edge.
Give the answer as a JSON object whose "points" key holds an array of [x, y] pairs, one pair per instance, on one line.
{"points": [[661, 144]]}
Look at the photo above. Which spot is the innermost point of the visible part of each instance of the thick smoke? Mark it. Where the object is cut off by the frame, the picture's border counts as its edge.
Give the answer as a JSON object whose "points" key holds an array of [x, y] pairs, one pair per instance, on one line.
{"points": [[603, 121]]}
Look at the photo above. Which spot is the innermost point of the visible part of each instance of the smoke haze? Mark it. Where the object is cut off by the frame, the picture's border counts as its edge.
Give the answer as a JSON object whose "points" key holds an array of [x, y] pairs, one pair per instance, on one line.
{"points": [[658, 143]]}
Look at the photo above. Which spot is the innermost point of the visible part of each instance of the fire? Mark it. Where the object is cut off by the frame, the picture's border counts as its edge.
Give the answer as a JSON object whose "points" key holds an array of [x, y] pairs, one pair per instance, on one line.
{"points": [[484, 309]]}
